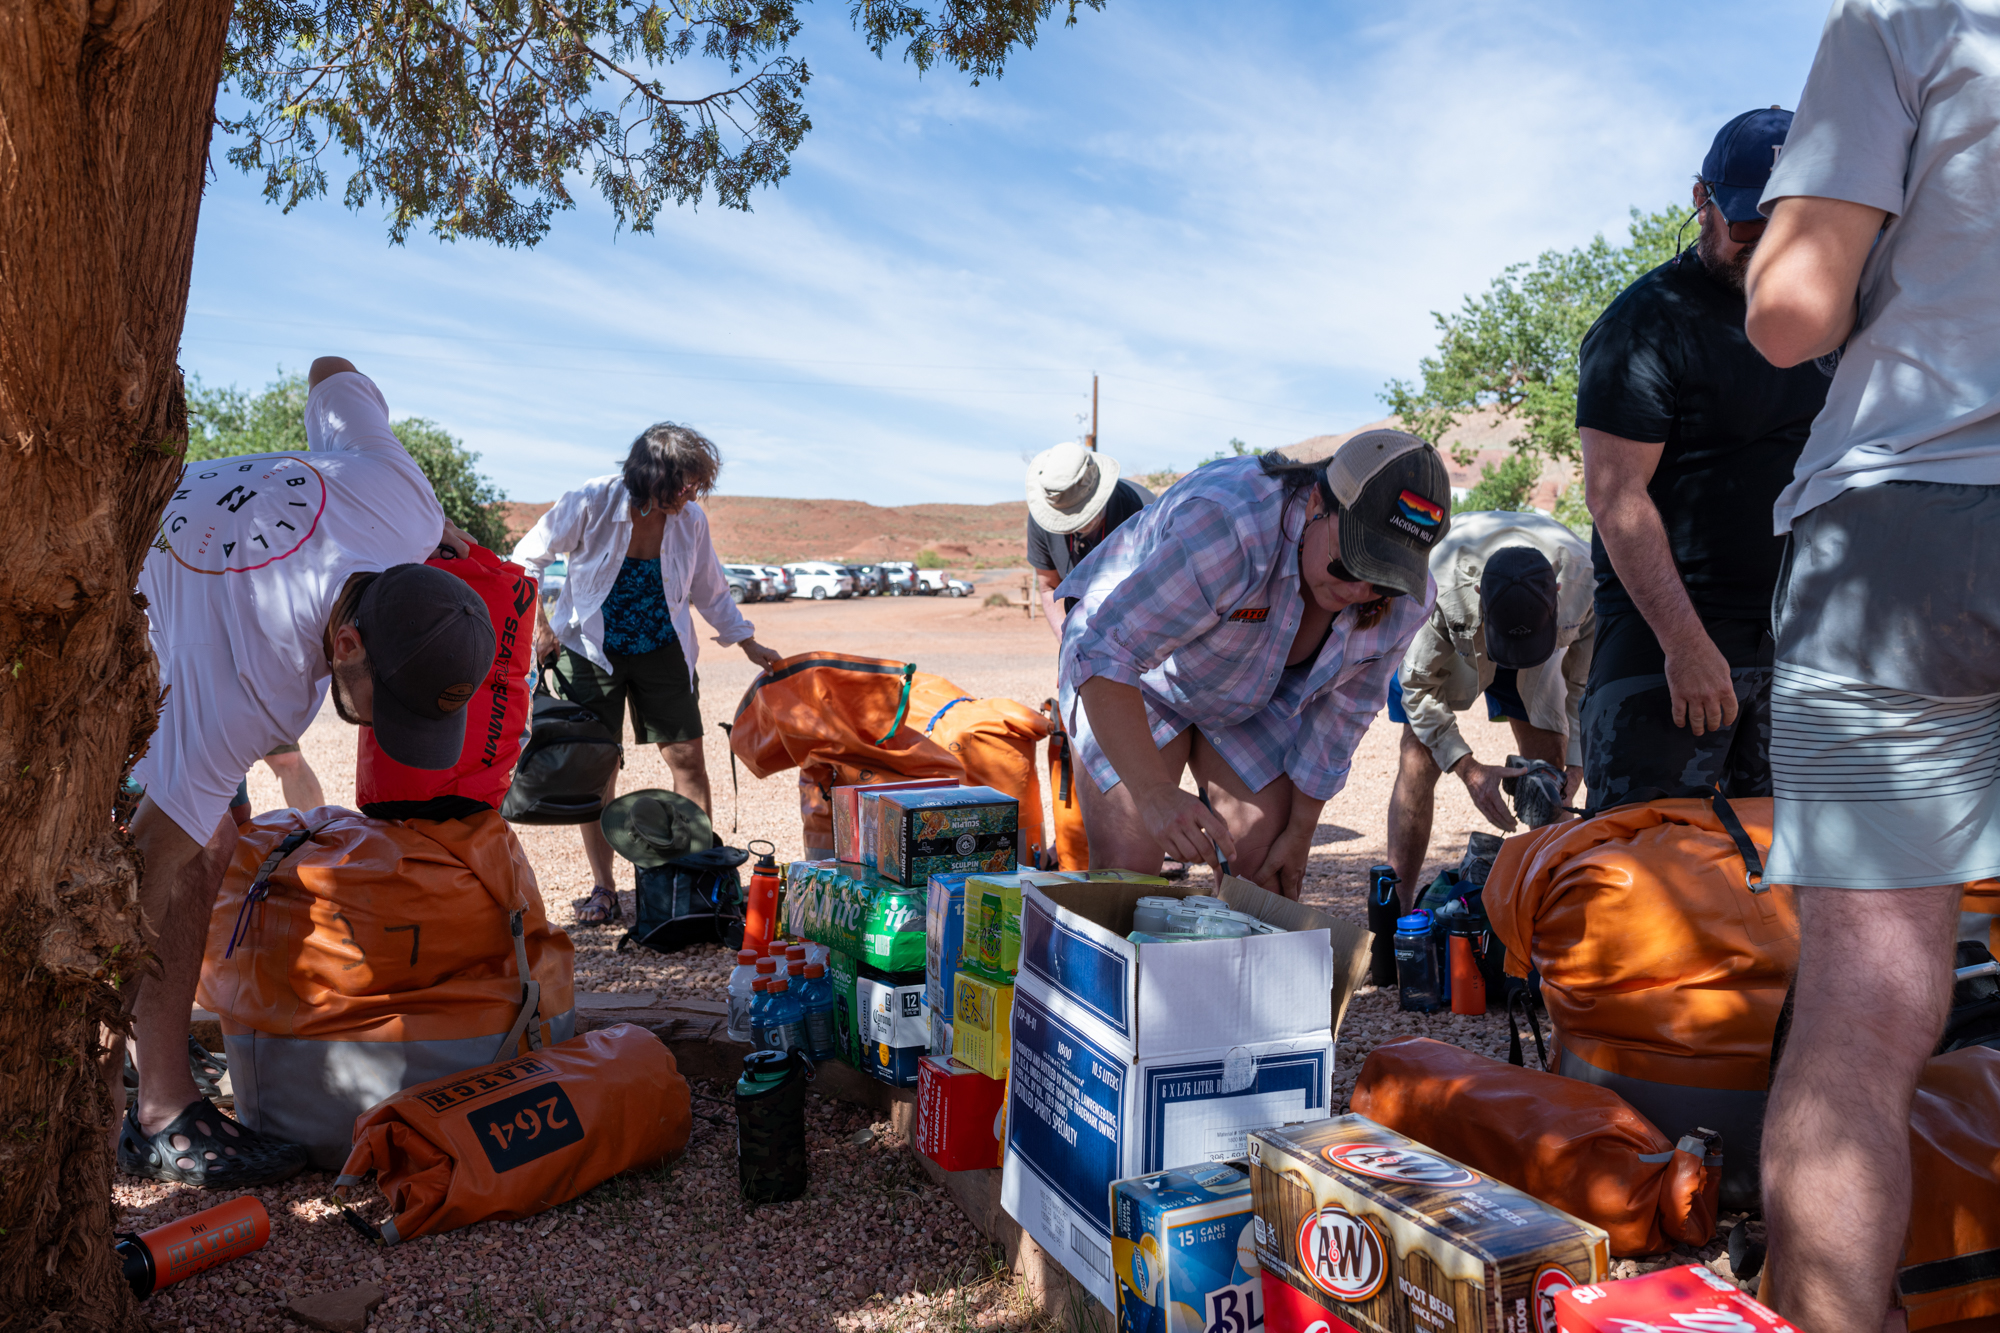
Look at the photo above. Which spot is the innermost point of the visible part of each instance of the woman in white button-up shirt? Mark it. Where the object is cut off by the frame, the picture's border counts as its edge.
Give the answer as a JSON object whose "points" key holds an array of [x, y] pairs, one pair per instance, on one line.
{"points": [[621, 629]]}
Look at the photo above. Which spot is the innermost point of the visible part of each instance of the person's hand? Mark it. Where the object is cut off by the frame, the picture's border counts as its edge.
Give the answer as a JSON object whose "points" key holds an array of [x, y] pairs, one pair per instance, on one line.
{"points": [[1185, 829], [456, 540], [1284, 868], [1483, 782], [1698, 681], [765, 658]]}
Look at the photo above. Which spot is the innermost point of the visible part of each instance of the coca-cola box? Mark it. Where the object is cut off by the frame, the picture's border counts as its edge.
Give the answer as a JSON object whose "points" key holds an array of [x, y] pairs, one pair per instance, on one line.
{"points": [[1374, 1232], [1688, 1299]]}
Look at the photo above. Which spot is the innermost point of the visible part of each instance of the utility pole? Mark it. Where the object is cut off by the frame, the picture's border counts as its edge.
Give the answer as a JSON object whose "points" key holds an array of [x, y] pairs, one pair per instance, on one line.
{"points": [[1092, 439]]}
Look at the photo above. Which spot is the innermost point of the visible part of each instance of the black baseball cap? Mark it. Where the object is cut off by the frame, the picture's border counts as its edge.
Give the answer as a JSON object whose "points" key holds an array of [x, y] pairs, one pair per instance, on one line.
{"points": [[1395, 504], [430, 643], [1517, 603], [1739, 162]]}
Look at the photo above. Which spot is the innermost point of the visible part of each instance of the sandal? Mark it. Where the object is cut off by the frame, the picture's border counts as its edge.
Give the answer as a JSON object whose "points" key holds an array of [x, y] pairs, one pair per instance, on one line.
{"points": [[214, 1151], [208, 1067], [599, 909]]}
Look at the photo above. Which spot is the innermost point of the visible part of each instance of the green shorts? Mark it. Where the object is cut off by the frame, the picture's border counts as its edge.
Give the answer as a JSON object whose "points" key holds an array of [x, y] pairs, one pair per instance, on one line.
{"points": [[664, 697]]}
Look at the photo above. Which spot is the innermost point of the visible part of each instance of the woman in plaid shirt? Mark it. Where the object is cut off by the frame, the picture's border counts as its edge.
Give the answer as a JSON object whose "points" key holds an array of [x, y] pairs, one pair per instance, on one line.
{"points": [[1245, 627]]}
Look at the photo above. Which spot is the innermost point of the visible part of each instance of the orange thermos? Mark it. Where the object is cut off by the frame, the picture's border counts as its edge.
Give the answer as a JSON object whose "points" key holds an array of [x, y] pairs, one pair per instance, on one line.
{"points": [[1468, 983], [760, 914], [165, 1255]]}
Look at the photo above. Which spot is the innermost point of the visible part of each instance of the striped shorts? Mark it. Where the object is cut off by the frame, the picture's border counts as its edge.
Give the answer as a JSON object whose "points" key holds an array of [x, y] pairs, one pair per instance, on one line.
{"points": [[1885, 700]]}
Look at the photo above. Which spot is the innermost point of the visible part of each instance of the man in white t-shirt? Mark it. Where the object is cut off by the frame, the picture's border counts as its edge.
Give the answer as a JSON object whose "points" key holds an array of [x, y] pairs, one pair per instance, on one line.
{"points": [[273, 573], [1885, 749]]}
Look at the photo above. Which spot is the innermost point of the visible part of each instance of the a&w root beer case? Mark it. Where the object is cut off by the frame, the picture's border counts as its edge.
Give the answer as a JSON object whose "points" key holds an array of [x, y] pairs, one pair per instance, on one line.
{"points": [[1365, 1229]]}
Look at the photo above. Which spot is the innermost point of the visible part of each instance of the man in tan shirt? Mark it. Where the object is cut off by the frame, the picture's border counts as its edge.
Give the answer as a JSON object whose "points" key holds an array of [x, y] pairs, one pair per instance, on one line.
{"points": [[1514, 622]]}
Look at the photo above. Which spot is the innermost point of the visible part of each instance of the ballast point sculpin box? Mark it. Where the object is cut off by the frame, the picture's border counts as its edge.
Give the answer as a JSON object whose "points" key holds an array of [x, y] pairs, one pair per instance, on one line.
{"points": [[1372, 1229]]}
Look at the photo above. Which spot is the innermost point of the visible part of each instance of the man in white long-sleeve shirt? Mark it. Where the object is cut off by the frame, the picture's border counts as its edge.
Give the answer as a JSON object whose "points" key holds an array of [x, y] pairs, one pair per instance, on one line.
{"points": [[621, 629]]}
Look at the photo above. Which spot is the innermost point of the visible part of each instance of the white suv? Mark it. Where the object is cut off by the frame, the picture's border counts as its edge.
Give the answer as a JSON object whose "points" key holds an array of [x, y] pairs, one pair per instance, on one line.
{"points": [[819, 581], [779, 579]]}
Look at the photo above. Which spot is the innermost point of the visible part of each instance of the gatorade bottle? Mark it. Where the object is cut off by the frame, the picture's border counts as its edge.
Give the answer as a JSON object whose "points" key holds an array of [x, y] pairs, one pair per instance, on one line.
{"points": [[760, 1012], [740, 978], [785, 1019], [760, 914], [817, 998]]}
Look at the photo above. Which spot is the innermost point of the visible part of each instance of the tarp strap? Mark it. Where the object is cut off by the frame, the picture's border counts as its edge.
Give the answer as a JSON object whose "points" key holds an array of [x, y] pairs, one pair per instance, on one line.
{"points": [[1059, 748], [1753, 864], [735, 787], [1525, 1001], [531, 999], [902, 703], [961, 699]]}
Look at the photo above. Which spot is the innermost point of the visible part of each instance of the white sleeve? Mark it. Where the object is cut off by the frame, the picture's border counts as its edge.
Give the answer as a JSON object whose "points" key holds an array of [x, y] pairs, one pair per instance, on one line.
{"points": [[346, 413], [555, 533], [1856, 119], [708, 586]]}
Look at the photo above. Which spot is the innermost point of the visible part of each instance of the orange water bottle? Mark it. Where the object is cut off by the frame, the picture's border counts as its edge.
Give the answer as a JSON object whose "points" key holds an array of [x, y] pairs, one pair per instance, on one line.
{"points": [[165, 1255], [761, 912], [1468, 983]]}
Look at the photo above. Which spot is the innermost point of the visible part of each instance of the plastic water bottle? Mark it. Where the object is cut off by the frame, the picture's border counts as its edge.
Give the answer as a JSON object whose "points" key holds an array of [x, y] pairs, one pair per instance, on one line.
{"points": [[817, 998], [740, 978], [760, 1012], [1149, 914], [785, 1019], [1417, 964]]}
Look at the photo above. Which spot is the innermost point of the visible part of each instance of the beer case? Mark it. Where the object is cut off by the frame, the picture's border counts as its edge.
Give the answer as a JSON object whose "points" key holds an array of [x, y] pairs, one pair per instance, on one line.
{"points": [[944, 831], [1183, 1251], [893, 1027], [1688, 1297], [945, 928], [959, 1115], [984, 1010], [847, 824], [1386, 1236]]}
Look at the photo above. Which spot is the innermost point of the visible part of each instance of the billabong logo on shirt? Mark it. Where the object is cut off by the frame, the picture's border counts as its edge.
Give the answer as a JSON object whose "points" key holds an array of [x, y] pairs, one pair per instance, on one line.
{"points": [[1251, 615]]}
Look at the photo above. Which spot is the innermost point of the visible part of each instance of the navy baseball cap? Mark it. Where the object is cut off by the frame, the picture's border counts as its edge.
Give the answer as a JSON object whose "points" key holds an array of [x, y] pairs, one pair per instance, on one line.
{"points": [[1517, 599], [1739, 162]]}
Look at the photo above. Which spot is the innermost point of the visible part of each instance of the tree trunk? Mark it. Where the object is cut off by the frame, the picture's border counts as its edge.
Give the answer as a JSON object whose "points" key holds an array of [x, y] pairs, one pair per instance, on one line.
{"points": [[105, 108]]}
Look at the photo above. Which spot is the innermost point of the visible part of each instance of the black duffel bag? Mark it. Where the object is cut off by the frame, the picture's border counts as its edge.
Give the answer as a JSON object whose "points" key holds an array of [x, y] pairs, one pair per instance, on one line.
{"points": [[692, 899], [569, 760]]}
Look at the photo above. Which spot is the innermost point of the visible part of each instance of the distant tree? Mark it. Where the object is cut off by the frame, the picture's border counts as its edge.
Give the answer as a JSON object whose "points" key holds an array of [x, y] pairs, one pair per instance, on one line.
{"points": [[1515, 346], [929, 559], [1235, 449], [1507, 486], [224, 422]]}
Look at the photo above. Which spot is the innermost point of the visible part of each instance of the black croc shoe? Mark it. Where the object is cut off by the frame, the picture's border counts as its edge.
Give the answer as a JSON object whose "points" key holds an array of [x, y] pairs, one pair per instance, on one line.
{"points": [[219, 1153], [206, 1066]]}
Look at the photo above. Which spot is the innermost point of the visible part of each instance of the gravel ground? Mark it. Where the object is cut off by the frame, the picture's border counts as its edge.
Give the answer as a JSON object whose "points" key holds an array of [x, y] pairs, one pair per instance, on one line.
{"points": [[875, 1245]]}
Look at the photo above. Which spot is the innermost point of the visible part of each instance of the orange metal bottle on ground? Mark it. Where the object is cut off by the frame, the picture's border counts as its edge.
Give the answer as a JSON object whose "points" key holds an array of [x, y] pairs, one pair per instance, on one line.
{"points": [[164, 1255], [760, 913], [1468, 983]]}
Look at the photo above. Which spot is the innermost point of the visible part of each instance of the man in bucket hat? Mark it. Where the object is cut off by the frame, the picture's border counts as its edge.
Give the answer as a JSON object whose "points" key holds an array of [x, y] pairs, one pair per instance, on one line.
{"points": [[273, 575], [1075, 500]]}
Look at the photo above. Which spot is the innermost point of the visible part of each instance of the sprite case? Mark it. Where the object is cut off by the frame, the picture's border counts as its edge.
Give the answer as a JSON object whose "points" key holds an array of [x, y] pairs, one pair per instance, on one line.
{"points": [[1185, 1252], [871, 919]]}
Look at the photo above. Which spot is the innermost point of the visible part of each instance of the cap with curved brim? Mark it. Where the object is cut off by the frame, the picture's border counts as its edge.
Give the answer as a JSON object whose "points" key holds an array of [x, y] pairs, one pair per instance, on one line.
{"points": [[412, 739], [1395, 499], [652, 827]]}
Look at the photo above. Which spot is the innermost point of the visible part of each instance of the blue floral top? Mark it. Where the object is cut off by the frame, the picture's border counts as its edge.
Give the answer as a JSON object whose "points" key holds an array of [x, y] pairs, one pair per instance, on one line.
{"points": [[636, 618]]}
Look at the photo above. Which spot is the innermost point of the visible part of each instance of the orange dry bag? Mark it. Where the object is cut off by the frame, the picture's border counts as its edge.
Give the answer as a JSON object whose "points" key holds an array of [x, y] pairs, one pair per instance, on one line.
{"points": [[994, 738], [842, 722], [1664, 960], [496, 715], [1950, 1268], [514, 1138], [350, 957], [1568, 1143], [1072, 845]]}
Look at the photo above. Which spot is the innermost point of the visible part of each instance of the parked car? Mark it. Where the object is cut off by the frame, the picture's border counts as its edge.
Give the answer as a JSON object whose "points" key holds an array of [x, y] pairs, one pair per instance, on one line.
{"points": [[554, 575], [931, 582], [864, 579], [957, 588], [779, 579], [819, 580], [901, 576], [756, 583]]}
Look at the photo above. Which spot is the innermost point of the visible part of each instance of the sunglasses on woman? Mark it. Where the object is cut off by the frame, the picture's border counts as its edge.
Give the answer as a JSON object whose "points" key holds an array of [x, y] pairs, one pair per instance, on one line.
{"points": [[1335, 569]]}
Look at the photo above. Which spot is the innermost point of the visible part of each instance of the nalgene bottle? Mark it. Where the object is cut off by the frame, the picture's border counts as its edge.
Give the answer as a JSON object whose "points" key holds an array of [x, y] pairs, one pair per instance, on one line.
{"points": [[1416, 964]]}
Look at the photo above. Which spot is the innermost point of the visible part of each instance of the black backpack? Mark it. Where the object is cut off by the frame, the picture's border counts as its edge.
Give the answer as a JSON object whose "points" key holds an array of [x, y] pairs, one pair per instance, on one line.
{"points": [[568, 761], [693, 899]]}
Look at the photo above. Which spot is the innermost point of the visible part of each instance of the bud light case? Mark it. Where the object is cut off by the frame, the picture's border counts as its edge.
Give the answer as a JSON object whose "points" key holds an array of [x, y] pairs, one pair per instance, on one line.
{"points": [[1184, 1252], [1369, 1230]]}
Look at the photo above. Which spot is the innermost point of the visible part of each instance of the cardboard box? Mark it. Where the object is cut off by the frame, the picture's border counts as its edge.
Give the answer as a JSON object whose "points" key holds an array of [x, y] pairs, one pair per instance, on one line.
{"points": [[1184, 1253], [844, 973], [847, 827], [984, 1008], [1132, 1058], [1689, 1297], [992, 930], [842, 906], [1389, 1237], [960, 1115], [893, 1027], [944, 928], [923, 833]]}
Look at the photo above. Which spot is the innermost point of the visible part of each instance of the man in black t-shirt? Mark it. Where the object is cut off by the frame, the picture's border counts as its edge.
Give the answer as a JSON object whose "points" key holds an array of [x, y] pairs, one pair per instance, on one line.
{"points": [[1688, 436], [1075, 500]]}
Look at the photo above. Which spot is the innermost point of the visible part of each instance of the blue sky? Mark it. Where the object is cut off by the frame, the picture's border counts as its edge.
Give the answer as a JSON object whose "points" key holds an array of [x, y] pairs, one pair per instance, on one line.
{"points": [[1241, 226]]}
